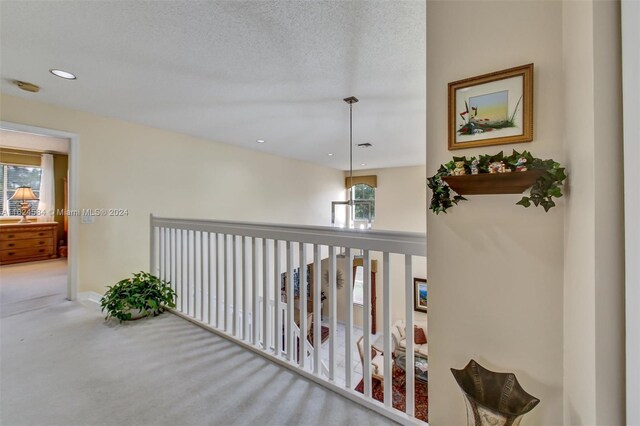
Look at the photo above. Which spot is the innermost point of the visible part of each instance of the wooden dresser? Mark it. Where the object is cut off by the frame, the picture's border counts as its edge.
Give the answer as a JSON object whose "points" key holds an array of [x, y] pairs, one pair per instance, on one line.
{"points": [[24, 242]]}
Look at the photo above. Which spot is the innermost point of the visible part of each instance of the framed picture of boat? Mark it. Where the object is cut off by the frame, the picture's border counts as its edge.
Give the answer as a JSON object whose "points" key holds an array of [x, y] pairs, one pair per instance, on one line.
{"points": [[492, 109]]}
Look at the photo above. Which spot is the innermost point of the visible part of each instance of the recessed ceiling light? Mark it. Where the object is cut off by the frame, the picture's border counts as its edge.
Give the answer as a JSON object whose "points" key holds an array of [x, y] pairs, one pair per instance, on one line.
{"points": [[330, 154], [260, 141], [63, 74], [363, 164]]}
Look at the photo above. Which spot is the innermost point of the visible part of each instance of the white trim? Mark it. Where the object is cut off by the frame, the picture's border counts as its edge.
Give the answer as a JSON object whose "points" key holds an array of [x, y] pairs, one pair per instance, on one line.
{"points": [[352, 395], [395, 242], [630, 10], [72, 221], [89, 297]]}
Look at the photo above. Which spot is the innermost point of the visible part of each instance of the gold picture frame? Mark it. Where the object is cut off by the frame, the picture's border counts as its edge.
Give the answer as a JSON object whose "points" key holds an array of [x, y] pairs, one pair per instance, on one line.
{"points": [[492, 109]]}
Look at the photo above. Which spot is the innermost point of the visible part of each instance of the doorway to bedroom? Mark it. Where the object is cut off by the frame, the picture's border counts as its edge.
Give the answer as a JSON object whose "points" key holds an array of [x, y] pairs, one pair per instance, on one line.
{"points": [[34, 226]]}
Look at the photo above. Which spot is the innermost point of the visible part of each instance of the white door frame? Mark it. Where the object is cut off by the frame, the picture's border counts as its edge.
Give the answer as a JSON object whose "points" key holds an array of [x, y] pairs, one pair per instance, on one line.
{"points": [[73, 220], [631, 118]]}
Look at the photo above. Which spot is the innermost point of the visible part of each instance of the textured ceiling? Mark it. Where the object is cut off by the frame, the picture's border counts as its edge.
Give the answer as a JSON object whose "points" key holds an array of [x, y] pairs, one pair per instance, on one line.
{"points": [[235, 71]]}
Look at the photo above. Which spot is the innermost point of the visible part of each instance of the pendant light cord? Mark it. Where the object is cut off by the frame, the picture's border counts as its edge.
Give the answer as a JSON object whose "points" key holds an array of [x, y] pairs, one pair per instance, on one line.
{"points": [[351, 154]]}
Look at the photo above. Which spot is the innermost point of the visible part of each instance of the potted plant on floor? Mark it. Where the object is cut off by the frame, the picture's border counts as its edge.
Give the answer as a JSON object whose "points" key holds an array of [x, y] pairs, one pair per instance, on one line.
{"points": [[138, 297]]}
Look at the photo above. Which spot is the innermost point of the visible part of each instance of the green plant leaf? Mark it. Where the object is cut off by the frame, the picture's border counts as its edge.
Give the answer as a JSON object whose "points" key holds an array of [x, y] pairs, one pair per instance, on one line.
{"points": [[546, 187], [144, 292]]}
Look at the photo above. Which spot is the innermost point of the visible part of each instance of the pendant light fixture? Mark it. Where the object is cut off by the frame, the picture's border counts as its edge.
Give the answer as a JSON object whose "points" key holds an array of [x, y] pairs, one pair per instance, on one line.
{"points": [[350, 203]]}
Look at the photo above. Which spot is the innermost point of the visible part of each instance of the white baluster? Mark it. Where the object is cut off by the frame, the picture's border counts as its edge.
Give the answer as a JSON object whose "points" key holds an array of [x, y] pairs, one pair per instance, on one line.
{"points": [[348, 344], [302, 343], [168, 254], [277, 294], [192, 283], [333, 324], [161, 259], [173, 260], [235, 283], [265, 294], [179, 257], [185, 241], [255, 316], [410, 364], [202, 236], [220, 280], [246, 336], [290, 312], [195, 274], [386, 314], [185, 265], [317, 309], [209, 280], [227, 287], [366, 327]]}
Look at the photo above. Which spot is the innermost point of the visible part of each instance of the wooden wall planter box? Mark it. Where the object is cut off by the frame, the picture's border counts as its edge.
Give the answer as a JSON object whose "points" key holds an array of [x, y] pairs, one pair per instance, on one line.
{"points": [[493, 183]]}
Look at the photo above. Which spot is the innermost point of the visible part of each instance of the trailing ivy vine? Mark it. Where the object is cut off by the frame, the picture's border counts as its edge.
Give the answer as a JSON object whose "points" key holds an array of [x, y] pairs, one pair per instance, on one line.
{"points": [[544, 189]]}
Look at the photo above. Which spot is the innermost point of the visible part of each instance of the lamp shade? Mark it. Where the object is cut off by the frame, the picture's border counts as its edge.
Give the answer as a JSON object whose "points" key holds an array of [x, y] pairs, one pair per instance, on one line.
{"points": [[24, 193]]}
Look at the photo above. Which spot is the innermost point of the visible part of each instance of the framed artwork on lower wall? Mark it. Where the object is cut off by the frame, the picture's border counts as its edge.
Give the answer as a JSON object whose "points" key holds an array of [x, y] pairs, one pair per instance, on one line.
{"points": [[420, 294]]}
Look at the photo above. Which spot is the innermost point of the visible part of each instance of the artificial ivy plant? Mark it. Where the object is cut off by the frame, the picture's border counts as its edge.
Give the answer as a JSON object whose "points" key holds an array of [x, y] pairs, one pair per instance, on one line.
{"points": [[144, 292], [544, 189]]}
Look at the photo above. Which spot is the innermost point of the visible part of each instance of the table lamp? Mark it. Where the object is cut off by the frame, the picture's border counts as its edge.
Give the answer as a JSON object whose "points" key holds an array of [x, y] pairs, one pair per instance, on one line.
{"points": [[24, 193]]}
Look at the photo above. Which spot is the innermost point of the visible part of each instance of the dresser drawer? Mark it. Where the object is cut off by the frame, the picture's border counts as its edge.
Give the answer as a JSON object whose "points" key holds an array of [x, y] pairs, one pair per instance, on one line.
{"points": [[26, 235], [24, 242], [19, 244], [34, 252]]}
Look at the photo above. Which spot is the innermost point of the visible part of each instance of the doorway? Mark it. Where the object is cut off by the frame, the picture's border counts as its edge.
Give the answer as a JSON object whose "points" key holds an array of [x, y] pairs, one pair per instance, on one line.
{"points": [[69, 221]]}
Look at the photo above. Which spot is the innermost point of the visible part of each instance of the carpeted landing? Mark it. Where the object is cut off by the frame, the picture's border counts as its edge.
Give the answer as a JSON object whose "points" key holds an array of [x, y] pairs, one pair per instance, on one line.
{"points": [[62, 364]]}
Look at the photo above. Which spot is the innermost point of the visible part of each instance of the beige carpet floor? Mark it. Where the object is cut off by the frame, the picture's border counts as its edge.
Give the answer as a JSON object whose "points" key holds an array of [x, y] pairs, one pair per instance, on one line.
{"points": [[62, 364]]}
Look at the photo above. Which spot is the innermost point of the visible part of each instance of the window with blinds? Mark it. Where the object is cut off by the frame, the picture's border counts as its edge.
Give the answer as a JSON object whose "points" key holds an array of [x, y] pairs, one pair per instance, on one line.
{"points": [[13, 177]]}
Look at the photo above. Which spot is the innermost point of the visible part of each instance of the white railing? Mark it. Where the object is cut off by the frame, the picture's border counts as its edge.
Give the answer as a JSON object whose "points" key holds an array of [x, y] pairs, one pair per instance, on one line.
{"points": [[227, 276]]}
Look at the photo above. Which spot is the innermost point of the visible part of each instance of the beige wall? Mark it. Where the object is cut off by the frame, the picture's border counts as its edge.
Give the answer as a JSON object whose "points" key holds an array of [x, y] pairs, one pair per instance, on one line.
{"points": [[146, 170], [401, 198], [593, 273], [496, 269]]}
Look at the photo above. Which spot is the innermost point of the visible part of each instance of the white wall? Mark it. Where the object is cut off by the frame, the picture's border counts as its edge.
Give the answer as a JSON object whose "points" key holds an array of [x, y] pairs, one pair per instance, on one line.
{"points": [[594, 234], [631, 81], [495, 269], [146, 170], [539, 294]]}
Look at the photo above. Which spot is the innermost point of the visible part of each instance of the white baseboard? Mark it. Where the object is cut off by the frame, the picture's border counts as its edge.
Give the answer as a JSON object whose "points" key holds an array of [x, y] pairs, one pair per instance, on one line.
{"points": [[91, 297]]}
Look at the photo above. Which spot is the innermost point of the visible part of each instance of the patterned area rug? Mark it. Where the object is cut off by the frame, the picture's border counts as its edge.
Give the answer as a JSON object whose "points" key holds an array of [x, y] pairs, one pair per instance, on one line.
{"points": [[421, 406], [324, 333]]}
